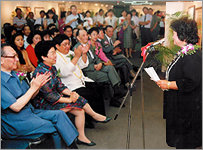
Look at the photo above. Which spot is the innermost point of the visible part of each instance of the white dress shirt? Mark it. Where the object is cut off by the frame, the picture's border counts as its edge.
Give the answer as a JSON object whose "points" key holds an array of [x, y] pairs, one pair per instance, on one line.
{"points": [[111, 21], [71, 17], [148, 18], [71, 75], [39, 21]]}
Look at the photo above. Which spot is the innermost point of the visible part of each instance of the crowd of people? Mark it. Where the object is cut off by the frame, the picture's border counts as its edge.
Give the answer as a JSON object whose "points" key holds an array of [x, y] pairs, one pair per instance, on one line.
{"points": [[72, 65]]}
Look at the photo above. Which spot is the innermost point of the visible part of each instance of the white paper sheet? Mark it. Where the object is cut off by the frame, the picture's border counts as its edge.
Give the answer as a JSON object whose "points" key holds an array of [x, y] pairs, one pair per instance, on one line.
{"points": [[152, 73]]}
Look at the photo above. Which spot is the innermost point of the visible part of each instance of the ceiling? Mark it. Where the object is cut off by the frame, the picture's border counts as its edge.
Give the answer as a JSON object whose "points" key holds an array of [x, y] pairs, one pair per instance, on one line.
{"points": [[137, 2]]}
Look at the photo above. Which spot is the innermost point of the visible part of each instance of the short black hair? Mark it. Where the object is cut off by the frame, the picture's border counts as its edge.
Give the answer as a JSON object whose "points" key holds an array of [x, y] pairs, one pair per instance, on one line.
{"points": [[101, 29], [133, 10], [145, 8], [108, 26], [60, 38], [18, 9], [42, 48], [51, 25], [42, 11], [101, 10], [93, 29], [32, 34], [186, 30], [26, 25], [66, 27], [45, 32], [37, 26], [52, 31]]}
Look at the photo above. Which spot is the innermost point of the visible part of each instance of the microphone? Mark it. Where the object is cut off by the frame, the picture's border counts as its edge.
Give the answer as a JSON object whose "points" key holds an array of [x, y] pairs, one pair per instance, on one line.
{"points": [[151, 47]]}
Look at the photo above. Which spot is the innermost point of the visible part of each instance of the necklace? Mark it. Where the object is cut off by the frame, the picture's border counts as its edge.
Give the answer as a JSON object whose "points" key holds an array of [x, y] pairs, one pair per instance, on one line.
{"points": [[78, 76]]}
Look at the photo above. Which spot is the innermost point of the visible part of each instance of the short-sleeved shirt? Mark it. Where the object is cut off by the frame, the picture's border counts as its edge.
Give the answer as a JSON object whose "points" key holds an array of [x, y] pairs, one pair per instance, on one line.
{"points": [[25, 122], [19, 22], [71, 17], [148, 17]]}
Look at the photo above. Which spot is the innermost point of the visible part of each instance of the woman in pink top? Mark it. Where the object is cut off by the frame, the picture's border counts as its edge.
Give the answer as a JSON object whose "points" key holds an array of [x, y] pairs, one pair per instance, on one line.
{"points": [[61, 22], [33, 39], [93, 34]]}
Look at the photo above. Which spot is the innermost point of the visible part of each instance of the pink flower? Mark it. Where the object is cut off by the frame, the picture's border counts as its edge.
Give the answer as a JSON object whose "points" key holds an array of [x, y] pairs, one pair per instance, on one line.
{"points": [[106, 42]]}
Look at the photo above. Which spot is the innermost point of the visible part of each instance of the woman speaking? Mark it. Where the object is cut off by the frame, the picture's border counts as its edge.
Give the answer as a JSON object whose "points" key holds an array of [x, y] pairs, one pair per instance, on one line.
{"points": [[183, 88]]}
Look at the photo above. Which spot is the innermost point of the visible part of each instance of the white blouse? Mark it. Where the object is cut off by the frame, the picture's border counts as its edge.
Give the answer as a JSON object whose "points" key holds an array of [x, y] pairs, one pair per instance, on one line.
{"points": [[71, 75]]}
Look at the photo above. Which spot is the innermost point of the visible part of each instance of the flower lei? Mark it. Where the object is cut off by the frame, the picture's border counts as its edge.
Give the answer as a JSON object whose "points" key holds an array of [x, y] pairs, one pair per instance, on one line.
{"points": [[188, 50], [70, 56], [21, 75]]}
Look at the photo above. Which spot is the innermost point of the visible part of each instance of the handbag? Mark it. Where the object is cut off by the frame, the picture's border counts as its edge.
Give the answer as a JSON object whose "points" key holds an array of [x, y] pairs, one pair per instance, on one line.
{"points": [[134, 35]]}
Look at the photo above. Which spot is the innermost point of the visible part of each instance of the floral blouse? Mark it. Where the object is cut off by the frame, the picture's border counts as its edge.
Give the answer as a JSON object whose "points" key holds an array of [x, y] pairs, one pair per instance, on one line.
{"points": [[51, 92]]}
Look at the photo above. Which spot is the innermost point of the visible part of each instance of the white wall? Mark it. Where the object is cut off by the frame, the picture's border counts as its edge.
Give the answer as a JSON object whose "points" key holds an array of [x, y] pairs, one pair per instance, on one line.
{"points": [[7, 7]]}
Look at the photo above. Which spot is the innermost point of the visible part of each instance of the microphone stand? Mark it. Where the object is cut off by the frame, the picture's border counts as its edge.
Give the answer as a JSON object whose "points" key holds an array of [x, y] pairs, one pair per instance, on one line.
{"points": [[130, 88]]}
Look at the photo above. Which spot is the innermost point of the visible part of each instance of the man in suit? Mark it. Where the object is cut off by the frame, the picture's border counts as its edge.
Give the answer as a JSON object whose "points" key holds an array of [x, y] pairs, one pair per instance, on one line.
{"points": [[99, 72], [112, 51]]}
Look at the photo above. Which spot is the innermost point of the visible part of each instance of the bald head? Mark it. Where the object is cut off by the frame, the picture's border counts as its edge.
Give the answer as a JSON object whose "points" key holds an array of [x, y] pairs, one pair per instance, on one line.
{"points": [[82, 36]]}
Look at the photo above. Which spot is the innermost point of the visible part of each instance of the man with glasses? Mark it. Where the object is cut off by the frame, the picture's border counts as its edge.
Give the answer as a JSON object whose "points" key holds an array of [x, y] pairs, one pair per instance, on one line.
{"points": [[19, 119]]}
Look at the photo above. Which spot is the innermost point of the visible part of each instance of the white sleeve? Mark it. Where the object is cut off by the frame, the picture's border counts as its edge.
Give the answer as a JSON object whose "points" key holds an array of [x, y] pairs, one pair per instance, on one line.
{"points": [[82, 64], [67, 20]]}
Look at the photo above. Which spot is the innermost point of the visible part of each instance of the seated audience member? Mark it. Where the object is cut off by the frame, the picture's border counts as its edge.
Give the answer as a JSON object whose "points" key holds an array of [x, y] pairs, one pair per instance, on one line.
{"points": [[54, 95], [93, 35], [68, 31], [26, 31], [112, 51], [9, 31], [51, 26], [46, 35], [24, 64], [19, 119], [70, 65], [30, 20], [33, 39], [98, 72], [38, 27], [54, 32], [3, 39]]}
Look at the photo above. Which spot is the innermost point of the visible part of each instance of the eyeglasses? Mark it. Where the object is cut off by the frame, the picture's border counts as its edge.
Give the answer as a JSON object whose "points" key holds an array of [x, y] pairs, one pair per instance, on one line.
{"points": [[14, 56]]}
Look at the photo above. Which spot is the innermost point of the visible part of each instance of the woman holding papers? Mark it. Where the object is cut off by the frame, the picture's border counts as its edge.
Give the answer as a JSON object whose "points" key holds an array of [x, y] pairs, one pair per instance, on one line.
{"points": [[183, 88]]}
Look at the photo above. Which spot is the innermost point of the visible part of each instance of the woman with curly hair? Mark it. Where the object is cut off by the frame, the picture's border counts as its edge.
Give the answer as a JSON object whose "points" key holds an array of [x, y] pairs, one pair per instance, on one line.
{"points": [[183, 88]]}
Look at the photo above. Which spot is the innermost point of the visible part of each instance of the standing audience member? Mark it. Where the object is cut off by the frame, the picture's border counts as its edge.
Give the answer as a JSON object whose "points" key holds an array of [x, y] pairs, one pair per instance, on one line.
{"points": [[100, 18], [24, 64], [26, 32], [55, 17], [74, 19], [112, 21], [128, 27], [54, 95], [88, 22], [19, 119], [30, 20], [49, 18], [136, 31], [61, 22], [33, 39], [155, 28], [145, 22], [120, 28], [183, 89], [162, 27], [18, 20], [41, 19]]}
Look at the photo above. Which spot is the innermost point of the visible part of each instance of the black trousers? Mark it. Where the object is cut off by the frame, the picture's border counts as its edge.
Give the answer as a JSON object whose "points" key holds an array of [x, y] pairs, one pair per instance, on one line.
{"points": [[146, 36], [93, 93]]}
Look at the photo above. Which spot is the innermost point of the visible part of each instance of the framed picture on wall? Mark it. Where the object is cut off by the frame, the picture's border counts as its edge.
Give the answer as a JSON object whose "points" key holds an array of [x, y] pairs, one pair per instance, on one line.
{"points": [[191, 12], [37, 11]]}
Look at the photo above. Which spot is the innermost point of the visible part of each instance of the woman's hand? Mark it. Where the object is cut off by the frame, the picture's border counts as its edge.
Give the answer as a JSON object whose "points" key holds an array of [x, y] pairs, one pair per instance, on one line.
{"points": [[74, 96], [98, 66], [163, 84], [108, 63], [40, 80]]}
